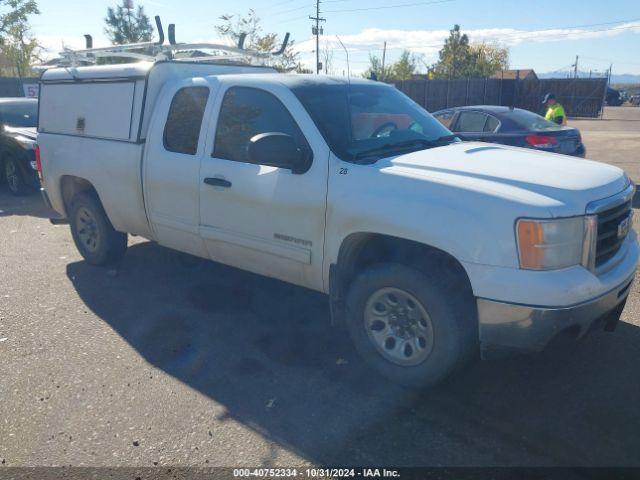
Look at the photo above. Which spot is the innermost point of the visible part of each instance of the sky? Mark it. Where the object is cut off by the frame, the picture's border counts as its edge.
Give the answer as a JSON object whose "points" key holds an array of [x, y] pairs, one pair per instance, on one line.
{"points": [[545, 35]]}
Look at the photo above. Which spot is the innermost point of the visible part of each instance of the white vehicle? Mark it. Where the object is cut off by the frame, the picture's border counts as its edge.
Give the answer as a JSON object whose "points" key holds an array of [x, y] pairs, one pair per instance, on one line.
{"points": [[430, 249]]}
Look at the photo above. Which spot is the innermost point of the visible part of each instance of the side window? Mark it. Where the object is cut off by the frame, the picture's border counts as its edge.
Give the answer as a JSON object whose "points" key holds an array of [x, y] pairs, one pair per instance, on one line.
{"points": [[492, 124], [471, 122], [182, 129], [445, 117], [245, 113]]}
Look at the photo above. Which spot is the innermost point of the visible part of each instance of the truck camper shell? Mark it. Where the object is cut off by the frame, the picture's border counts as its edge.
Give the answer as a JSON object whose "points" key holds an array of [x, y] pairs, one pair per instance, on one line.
{"points": [[115, 102]]}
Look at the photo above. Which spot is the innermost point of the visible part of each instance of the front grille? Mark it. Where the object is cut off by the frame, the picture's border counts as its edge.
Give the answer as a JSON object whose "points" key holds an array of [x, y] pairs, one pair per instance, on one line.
{"points": [[608, 241]]}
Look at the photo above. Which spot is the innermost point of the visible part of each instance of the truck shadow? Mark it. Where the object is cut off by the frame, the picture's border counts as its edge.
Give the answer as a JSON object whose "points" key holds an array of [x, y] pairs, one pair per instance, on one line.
{"points": [[264, 350], [28, 205]]}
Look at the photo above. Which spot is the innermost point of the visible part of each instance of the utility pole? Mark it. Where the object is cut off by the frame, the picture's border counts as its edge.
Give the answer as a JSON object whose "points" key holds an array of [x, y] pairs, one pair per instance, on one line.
{"points": [[317, 31], [384, 54], [575, 68]]}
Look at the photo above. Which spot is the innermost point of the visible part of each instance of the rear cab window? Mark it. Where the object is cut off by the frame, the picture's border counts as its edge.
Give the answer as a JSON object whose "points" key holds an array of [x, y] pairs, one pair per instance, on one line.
{"points": [[182, 130]]}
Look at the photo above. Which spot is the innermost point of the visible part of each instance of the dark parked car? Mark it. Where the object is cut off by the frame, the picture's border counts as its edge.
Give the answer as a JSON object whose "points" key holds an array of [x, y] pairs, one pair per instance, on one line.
{"points": [[18, 123], [511, 126], [613, 97]]}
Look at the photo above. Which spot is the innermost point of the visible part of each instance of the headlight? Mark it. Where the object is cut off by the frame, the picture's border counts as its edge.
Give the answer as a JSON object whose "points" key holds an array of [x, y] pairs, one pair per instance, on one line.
{"points": [[556, 243]]}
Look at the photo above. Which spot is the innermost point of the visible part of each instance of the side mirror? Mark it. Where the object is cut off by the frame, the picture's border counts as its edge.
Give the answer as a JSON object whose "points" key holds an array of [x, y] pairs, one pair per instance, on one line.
{"points": [[279, 150]]}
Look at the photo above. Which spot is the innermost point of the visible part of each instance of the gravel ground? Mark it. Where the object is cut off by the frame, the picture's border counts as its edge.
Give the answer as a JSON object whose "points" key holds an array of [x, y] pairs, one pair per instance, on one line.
{"points": [[170, 360]]}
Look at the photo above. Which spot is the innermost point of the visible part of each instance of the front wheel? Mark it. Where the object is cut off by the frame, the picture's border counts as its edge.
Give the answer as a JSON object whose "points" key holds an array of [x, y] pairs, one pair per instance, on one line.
{"points": [[414, 327], [96, 239]]}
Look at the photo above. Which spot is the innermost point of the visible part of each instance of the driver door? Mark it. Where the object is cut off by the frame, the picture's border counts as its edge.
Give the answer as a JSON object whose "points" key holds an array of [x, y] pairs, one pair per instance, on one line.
{"points": [[262, 218]]}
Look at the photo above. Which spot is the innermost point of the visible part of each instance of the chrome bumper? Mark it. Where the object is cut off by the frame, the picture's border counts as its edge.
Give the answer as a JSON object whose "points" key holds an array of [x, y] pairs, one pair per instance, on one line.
{"points": [[509, 328]]}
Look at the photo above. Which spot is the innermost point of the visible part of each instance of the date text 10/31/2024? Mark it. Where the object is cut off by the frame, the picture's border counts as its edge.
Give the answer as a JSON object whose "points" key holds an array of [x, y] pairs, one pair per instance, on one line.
{"points": [[316, 473]]}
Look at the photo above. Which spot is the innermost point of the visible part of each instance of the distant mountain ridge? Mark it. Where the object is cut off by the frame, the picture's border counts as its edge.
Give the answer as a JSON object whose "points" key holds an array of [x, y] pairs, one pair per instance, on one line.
{"points": [[615, 78]]}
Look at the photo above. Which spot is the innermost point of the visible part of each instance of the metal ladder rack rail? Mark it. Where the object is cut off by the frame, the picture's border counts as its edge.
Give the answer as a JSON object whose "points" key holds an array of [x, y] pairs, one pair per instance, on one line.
{"points": [[158, 50]]}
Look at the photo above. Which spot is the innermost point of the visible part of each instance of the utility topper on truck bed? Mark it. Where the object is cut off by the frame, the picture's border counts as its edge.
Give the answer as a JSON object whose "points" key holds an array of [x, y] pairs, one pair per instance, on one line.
{"points": [[428, 247]]}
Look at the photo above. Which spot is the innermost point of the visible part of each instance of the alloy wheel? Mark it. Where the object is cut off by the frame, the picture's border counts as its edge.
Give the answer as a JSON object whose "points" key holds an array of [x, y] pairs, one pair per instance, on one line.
{"points": [[399, 326], [88, 229]]}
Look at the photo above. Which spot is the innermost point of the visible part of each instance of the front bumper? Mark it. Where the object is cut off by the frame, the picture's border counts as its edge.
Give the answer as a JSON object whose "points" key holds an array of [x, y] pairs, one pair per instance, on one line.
{"points": [[509, 328]]}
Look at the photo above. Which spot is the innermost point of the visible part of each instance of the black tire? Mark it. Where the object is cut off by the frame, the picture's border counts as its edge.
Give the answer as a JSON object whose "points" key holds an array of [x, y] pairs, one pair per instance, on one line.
{"points": [[14, 177], [449, 305], [96, 239]]}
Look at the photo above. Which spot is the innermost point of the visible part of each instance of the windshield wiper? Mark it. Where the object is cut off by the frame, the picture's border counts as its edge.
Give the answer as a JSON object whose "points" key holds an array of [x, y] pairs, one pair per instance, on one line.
{"points": [[406, 145]]}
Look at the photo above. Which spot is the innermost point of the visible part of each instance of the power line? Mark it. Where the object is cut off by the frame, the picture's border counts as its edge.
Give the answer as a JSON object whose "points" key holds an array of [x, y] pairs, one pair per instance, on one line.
{"points": [[610, 60], [401, 5], [284, 2], [291, 10]]}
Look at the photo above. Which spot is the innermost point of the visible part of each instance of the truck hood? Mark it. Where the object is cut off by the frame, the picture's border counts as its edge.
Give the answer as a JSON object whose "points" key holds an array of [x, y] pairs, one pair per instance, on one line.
{"points": [[561, 184]]}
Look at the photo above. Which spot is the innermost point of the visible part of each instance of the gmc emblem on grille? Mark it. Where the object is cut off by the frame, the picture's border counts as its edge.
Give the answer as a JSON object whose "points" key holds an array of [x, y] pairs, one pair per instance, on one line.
{"points": [[624, 226]]}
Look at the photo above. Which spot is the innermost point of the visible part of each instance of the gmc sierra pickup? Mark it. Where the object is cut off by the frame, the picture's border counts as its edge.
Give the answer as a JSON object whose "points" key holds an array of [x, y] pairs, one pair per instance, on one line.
{"points": [[430, 249]]}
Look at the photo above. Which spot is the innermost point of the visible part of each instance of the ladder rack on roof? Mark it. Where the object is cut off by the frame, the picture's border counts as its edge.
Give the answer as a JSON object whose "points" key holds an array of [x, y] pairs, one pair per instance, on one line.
{"points": [[158, 51]]}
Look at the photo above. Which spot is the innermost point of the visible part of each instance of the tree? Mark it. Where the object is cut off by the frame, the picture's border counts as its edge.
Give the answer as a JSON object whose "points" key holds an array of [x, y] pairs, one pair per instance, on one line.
{"points": [[327, 59], [458, 58], [375, 68], [405, 67], [19, 50], [233, 26], [402, 69], [126, 24], [488, 59], [455, 55]]}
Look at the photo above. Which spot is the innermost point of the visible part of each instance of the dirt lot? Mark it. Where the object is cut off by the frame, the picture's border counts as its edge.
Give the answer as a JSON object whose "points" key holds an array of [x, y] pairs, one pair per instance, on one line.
{"points": [[175, 361]]}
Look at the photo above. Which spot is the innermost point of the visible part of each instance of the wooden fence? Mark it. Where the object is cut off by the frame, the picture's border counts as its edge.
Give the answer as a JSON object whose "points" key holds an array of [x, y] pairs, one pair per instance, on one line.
{"points": [[581, 97]]}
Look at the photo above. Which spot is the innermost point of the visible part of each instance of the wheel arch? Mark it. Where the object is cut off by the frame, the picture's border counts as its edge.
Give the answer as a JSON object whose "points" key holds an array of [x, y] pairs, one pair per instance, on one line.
{"points": [[71, 185], [363, 249]]}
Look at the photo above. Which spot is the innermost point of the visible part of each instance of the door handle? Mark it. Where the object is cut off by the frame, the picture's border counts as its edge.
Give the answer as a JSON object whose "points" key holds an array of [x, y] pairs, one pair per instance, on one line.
{"points": [[217, 182]]}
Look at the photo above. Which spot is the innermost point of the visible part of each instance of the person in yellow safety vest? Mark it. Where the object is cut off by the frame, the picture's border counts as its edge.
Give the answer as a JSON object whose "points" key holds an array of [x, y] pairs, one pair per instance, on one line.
{"points": [[555, 111]]}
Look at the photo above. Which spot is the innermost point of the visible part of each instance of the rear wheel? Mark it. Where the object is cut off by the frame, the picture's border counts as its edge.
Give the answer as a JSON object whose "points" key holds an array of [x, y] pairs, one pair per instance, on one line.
{"points": [[14, 177], [414, 327], [96, 239]]}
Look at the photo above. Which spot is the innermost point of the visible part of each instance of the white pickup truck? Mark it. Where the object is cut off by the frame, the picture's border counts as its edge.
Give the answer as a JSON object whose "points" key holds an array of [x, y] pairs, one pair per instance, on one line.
{"points": [[431, 250]]}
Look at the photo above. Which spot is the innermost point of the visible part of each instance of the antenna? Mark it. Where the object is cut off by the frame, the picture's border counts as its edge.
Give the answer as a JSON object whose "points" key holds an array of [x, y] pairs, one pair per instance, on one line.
{"points": [[348, 66]]}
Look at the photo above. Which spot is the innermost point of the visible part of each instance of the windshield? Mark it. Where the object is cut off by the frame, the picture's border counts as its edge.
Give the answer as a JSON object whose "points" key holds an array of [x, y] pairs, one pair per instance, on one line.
{"points": [[532, 122], [372, 121], [19, 114]]}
